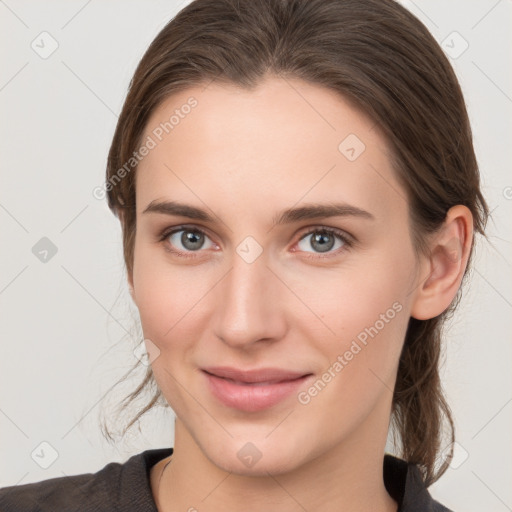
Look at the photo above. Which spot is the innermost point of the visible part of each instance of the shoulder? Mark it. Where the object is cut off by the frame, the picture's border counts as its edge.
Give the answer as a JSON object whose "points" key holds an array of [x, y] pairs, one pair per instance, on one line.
{"points": [[77, 492], [113, 488], [405, 484]]}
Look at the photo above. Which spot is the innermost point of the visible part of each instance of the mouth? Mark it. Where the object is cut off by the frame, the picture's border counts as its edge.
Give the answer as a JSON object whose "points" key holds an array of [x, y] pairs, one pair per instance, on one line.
{"points": [[253, 390]]}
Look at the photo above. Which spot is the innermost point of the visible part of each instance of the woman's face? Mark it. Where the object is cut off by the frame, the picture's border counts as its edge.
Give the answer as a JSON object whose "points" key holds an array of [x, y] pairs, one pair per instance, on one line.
{"points": [[252, 285]]}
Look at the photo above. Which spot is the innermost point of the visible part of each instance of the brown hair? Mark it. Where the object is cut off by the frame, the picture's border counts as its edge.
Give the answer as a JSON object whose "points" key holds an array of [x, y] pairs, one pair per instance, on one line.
{"points": [[383, 59]]}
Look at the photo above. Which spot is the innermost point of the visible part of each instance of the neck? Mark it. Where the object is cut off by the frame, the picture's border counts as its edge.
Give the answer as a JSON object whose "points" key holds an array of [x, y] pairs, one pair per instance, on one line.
{"points": [[347, 477]]}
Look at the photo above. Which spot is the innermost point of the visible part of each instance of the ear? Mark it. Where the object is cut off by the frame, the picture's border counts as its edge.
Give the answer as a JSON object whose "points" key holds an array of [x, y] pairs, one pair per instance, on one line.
{"points": [[442, 271]]}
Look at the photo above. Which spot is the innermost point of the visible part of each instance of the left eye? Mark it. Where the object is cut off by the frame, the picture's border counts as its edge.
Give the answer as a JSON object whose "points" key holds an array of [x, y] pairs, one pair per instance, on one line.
{"points": [[324, 240]]}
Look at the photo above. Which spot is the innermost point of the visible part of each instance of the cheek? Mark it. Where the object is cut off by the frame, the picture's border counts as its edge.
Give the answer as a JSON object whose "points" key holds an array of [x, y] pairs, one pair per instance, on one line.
{"points": [[360, 359], [165, 297], [355, 296], [168, 300], [364, 310]]}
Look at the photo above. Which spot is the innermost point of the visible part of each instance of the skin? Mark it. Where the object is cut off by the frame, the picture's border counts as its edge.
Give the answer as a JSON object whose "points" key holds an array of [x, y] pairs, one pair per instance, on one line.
{"points": [[245, 156]]}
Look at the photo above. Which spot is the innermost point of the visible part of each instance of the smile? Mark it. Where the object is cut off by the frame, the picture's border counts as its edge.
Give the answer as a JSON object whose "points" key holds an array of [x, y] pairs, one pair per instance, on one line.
{"points": [[253, 391]]}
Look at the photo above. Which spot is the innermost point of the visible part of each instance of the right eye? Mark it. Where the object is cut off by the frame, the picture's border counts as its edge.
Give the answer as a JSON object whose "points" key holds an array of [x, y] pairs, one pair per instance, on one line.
{"points": [[187, 240]]}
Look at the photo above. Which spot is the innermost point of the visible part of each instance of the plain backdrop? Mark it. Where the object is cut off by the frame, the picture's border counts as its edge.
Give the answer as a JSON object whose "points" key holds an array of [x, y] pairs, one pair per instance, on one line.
{"points": [[68, 326]]}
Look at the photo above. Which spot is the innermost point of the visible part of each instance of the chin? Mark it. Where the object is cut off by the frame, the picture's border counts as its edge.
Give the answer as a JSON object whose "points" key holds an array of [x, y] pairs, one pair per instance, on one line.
{"points": [[253, 459]]}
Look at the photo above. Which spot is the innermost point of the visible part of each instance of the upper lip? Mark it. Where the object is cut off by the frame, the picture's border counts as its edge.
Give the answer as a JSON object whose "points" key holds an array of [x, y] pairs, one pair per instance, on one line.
{"points": [[271, 375]]}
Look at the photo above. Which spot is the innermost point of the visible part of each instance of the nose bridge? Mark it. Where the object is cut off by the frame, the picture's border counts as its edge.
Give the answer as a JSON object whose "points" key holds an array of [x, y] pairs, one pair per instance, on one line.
{"points": [[248, 308]]}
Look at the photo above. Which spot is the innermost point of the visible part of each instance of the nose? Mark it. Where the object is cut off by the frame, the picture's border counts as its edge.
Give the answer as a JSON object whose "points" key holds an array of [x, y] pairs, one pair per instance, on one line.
{"points": [[250, 307]]}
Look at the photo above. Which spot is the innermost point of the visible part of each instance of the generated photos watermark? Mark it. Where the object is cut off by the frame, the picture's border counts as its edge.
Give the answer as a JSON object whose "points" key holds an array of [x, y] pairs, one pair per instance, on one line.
{"points": [[358, 343], [151, 142]]}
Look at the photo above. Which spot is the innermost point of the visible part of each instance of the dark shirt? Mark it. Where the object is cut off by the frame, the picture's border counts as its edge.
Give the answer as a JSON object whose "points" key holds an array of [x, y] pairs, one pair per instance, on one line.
{"points": [[126, 488]]}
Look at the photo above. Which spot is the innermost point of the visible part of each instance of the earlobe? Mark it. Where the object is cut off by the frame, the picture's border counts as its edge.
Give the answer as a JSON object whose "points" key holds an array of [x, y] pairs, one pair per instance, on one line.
{"points": [[443, 270]]}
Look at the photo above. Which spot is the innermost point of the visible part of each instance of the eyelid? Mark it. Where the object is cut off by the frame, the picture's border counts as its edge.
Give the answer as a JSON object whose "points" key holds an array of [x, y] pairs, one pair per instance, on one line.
{"points": [[346, 237]]}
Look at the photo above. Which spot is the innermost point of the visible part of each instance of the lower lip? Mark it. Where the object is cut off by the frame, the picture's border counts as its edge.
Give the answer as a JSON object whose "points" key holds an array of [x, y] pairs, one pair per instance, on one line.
{"points": [[252, 397]]}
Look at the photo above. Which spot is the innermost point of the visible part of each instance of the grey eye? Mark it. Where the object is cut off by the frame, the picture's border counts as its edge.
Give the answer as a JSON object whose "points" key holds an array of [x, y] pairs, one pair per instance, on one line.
{"points": [[321, 241], [190, 239]]}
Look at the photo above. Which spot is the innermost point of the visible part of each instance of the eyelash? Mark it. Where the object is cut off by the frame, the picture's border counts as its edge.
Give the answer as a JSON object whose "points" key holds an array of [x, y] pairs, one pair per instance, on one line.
{"points": [[347, 241]]}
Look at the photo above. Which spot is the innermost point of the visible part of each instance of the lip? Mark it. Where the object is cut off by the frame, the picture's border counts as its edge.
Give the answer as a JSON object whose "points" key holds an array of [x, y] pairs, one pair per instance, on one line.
{"points": [[253, 390]]}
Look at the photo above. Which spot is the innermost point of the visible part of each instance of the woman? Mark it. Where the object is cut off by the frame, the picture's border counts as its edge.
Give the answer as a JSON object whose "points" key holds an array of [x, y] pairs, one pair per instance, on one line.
{"points": [[298, 193]]}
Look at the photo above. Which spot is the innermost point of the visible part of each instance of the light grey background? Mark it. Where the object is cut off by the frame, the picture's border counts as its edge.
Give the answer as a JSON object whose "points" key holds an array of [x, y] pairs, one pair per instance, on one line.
{"points": [[68, 325]]}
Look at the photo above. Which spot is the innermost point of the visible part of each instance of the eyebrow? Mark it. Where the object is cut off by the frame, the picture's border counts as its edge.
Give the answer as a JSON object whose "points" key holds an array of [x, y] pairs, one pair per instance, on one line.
{"points": [[305, 212]]}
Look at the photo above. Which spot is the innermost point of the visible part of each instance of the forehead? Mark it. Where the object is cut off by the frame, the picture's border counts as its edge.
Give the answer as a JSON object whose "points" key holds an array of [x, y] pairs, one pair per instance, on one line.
{"points": [[284, 141]]}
